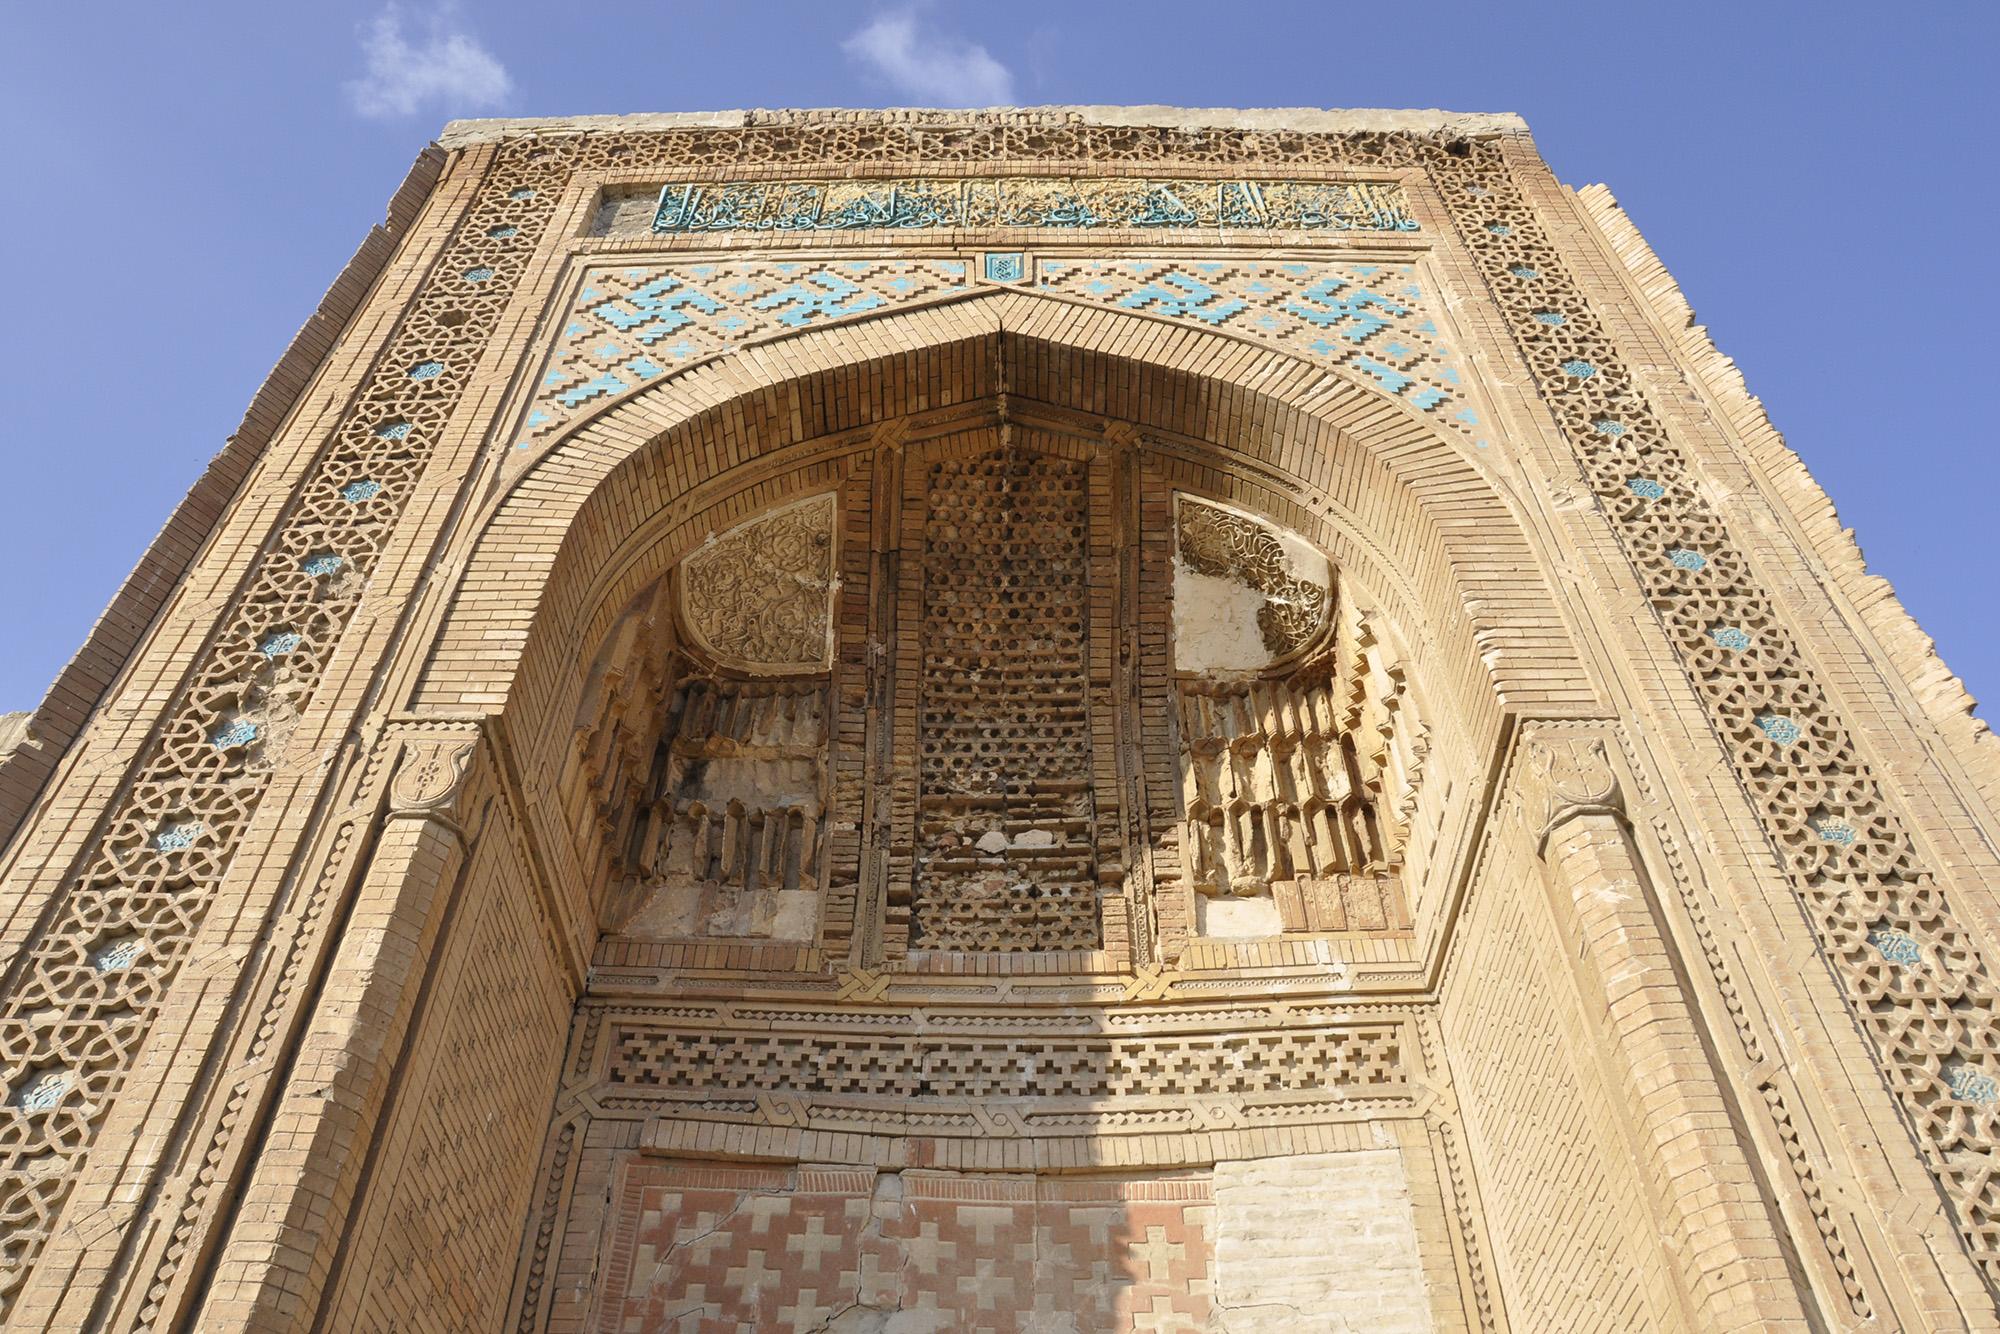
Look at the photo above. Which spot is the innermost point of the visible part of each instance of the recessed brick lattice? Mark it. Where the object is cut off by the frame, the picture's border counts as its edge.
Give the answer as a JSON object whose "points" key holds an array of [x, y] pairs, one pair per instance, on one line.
{"points": [[1005, 836], [1272, 1062]]}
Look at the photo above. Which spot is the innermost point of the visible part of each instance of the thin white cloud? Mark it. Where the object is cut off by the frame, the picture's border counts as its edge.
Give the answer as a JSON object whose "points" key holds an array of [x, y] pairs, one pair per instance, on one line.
{"points": [[446, 68], [936, 69]]}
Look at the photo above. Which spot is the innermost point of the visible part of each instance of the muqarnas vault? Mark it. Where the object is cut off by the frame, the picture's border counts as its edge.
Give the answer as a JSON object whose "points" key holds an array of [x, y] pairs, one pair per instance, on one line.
{"points": [[1012, 721]]}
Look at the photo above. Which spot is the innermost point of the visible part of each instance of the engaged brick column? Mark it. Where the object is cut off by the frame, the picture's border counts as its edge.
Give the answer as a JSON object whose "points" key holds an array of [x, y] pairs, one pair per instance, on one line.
{"points": [[1720, 1231], [295, 1209]]}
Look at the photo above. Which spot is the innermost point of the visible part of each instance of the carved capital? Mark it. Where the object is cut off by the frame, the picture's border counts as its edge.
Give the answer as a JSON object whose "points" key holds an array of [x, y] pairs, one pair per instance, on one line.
{"points": [[429, 777], [1563, 777]]}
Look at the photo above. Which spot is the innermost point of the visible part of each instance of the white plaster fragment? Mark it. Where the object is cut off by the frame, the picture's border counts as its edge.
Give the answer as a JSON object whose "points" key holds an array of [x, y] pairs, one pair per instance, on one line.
{"points": [[1237, 919], [1215, 623], [1215, 616], [796, 915]]}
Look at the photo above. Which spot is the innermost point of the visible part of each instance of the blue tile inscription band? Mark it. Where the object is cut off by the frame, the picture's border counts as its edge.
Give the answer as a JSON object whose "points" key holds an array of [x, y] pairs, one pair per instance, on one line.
{"points": [[1034, 201]]}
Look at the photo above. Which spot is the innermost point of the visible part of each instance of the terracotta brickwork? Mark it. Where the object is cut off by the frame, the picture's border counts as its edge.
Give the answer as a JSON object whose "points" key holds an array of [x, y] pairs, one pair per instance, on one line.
{"points": [[1064, 719], [695, 1244]]}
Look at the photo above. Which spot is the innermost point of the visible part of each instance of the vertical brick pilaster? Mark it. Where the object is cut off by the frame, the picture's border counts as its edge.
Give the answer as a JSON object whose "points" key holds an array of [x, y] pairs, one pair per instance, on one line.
{"points": [[290, 1223], [1725, 1240]]}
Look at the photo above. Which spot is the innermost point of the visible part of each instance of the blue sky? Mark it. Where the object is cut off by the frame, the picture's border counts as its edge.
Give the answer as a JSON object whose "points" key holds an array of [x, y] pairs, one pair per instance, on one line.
{"points": [[186, 180]]}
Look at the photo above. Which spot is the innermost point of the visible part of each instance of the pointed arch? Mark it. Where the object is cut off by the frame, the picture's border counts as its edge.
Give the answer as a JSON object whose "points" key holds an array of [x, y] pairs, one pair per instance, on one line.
{"points": [[1428, 534]]}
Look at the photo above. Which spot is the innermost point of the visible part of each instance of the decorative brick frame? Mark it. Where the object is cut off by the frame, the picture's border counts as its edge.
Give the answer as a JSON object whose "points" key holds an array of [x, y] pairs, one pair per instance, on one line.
{"points": [[236, 871]]}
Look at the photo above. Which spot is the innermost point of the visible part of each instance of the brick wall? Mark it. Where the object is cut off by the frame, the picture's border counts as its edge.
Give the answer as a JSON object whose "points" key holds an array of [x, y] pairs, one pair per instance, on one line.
{"points": [[1574, 1242], [1321, 1242], [451, 1161], [1627, 1083]]}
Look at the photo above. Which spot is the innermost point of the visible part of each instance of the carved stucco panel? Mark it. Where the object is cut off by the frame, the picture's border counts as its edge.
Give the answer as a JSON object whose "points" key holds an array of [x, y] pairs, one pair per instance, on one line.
{"points": [[1246, 594], [760, 596]]}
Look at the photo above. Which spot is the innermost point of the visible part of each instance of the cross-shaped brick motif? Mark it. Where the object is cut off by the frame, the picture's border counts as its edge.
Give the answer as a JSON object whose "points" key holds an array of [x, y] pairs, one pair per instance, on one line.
{"points": [[1157, 1253], [753, 1249]]}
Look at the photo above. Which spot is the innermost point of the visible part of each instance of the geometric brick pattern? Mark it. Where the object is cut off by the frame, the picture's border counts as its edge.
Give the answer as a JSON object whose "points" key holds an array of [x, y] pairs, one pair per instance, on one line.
{"points": [[1369, 320], [1934, 1028], [96, 973], [1933, 1008], [150, 826], [1364, 1055], [723, 1247], [1005, 822], [631, 324]]}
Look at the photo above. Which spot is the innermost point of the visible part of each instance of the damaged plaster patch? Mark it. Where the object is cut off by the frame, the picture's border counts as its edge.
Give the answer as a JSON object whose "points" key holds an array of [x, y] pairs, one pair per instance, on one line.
{"points": [[1237, 919], [1215, 623], [1246, 593], [1318, 1244]]}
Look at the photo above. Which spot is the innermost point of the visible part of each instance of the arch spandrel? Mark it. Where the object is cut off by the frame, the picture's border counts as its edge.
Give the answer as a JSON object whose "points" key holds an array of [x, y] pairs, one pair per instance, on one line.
{"points": [[631, 323]]}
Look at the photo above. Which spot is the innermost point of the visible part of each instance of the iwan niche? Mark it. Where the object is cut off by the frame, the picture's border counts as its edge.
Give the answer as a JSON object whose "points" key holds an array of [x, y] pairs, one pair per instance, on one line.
{"points": [[1099, 719]]}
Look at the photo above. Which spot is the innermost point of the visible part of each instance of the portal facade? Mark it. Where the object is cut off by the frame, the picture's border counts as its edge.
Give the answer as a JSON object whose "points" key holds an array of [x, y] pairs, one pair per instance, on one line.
{"points": [[1040, 720]]}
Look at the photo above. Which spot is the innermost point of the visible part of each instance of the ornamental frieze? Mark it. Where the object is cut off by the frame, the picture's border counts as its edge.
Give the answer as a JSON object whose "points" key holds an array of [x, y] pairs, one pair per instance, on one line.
{"points": [[1081, 203]]}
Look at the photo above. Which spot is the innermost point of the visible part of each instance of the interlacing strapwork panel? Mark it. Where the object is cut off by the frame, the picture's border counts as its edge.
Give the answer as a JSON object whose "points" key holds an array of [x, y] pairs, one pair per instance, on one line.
{"points": [[1005, 856], [1914, 974], [85, 991]]}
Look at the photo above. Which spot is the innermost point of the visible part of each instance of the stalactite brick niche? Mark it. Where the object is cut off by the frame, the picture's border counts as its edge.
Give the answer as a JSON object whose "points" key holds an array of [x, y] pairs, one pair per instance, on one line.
{"points": [[1064, 719]]}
